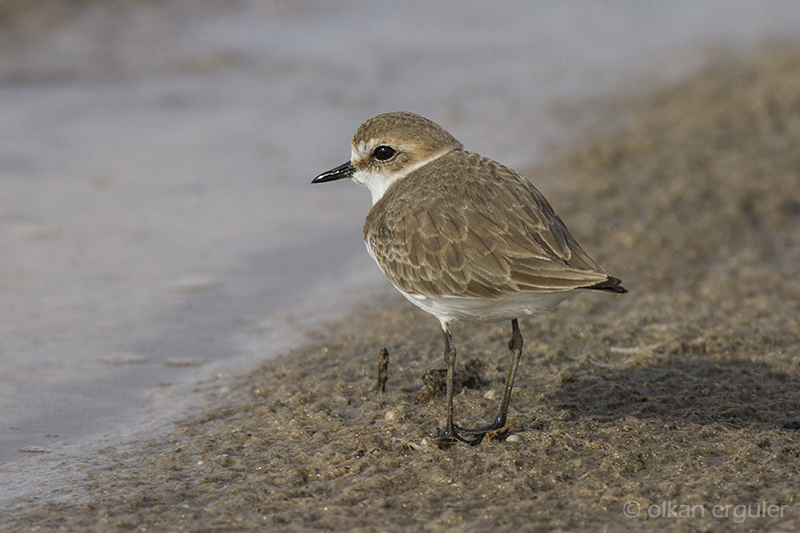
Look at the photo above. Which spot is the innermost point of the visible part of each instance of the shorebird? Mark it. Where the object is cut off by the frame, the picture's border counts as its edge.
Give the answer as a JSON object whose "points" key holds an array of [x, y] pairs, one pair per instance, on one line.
{"points": [[463, 238]]}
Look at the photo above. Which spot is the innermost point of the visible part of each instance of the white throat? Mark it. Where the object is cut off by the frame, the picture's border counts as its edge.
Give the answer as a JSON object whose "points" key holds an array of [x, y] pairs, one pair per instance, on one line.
{"points": [[379, 182]]}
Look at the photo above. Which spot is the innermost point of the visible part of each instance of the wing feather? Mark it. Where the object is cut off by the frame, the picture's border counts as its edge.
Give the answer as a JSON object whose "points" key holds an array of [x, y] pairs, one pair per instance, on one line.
{"points": [[464, 225]]}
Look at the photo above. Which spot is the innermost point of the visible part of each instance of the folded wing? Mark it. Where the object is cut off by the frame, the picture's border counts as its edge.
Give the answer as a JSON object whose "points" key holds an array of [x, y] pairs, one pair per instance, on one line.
{"points": [[483, 231]]}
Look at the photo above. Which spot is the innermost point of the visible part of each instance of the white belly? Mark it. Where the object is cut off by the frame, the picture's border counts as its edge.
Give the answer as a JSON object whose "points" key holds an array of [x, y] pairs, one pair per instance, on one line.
{"points": [[517, 305]]}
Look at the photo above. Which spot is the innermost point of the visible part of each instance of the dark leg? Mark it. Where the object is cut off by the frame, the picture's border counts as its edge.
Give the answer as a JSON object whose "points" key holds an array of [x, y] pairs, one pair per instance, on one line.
{"points": [[449, 435], [450, 360], [515, 347]]}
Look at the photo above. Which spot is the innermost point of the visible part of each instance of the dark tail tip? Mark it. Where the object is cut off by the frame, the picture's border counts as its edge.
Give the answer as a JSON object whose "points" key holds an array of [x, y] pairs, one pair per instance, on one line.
{"points": [[611, 285]]}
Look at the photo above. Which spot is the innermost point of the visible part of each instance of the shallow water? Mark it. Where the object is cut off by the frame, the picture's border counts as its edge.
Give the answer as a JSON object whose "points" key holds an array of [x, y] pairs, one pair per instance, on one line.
{"points": [[157, 223]]}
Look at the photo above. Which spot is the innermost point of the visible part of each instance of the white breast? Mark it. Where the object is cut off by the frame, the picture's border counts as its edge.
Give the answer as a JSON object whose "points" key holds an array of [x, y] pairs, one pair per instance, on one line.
{"points": [[516, 305]]}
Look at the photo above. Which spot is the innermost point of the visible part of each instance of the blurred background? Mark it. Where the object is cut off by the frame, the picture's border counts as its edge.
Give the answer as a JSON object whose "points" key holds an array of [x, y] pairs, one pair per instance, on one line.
{"points": [[158, 230]]}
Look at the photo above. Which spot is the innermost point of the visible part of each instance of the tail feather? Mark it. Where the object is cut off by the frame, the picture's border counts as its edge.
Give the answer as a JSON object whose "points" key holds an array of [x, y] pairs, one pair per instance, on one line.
{"points": [[612, 284]]}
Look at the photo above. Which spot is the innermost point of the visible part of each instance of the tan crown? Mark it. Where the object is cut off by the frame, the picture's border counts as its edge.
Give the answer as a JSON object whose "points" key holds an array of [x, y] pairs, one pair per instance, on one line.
{"points": [[415, 141]]}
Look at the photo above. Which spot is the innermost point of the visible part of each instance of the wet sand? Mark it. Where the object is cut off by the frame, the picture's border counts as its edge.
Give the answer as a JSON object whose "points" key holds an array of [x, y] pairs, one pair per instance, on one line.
{"points": [[681, 398]]}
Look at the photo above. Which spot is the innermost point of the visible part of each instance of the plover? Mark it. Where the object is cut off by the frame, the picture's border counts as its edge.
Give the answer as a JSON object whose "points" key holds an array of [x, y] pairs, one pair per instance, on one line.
{"points": [[463, 238]]}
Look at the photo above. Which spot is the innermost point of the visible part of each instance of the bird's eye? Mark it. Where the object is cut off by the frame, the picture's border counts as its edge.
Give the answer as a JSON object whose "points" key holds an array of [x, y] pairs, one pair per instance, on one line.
{"points": [[383, 153]]}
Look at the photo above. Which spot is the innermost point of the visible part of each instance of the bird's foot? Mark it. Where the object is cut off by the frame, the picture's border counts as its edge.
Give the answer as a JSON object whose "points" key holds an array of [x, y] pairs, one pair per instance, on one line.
{"points": [[445, 438]]}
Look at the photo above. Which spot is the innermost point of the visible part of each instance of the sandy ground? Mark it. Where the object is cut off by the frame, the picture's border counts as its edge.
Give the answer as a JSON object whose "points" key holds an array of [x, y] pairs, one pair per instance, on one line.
{"points": [[675, 407]]}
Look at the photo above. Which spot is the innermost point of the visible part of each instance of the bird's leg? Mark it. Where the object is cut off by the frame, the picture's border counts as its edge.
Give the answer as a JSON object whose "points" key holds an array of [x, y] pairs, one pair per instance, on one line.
{"points": [[449, 434], [515, 347], [450, 360]]}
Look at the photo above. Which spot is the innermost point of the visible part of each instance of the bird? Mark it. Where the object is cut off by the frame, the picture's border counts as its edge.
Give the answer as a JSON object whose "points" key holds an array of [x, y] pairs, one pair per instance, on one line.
{"points": [[464, 238]]}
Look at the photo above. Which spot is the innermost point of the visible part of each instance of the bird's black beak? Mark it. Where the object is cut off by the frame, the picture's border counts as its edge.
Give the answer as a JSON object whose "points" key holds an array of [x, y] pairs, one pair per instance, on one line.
{"points": [[342, 171]]}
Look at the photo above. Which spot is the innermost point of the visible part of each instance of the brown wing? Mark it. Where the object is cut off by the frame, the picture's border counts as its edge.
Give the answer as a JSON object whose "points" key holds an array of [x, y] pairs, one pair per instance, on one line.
{"points": [[481, 232]]}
